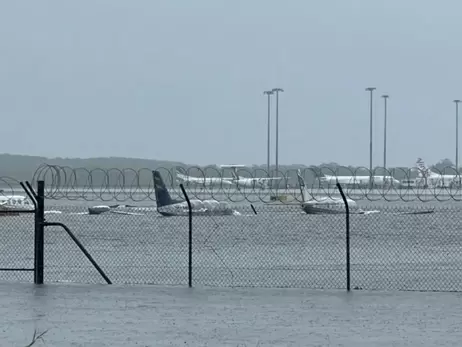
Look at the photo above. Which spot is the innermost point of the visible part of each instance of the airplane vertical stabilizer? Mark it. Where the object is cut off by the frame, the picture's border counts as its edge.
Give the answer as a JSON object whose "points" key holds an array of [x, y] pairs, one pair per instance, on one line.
{"points": [[424, 171], [163, 197], [303, 189]]}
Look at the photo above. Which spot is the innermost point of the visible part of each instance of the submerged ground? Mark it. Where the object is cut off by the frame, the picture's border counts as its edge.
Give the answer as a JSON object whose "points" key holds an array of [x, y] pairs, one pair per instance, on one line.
{"points": [[102, 315]]}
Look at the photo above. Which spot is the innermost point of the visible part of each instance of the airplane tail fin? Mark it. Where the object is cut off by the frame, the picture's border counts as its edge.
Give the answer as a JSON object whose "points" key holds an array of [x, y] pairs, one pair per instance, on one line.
{"points": [[234, 174], [303, 189], [163, 197], [424, 171]]}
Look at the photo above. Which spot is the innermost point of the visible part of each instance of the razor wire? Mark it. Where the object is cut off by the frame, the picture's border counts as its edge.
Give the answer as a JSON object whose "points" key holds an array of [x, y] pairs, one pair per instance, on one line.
{"points": [[127, 184]]}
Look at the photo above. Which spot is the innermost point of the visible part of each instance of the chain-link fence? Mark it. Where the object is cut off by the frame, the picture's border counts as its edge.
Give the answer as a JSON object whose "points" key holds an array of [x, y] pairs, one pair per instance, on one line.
{"points": [[17, 247], [392, 247]]}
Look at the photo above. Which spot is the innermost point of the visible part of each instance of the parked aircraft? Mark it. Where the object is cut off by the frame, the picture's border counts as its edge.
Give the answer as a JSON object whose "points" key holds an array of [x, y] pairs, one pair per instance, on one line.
{"points": [[167, 206], [434, 179], [262, 183], [323, 204], [330, 205], [203, 181], [377, 181], [112, 209], [12, 203]]}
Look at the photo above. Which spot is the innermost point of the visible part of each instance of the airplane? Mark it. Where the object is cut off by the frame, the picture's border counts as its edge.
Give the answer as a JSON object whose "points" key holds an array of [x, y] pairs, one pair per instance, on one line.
{"points": [[434, 179], [262, 182], [10, 203], [380, 181], [96, 210], [326, 204], [321, 205], [168, 207], [330, 205], [205, 181]]}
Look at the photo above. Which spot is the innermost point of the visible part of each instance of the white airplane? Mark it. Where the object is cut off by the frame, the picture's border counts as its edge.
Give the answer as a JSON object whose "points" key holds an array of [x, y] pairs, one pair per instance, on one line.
{"points": [[14, 202], [204, 181], [167, 206], [435, 179], [380, 181], [326, 204], [262, 182], [96, 210]]}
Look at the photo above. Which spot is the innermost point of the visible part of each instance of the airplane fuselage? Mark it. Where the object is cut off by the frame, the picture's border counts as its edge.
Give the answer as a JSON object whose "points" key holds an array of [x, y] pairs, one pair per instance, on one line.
{"points": [[443, 181], [361, 180], [206, 181], [15, 202], [198, 207], [327, 205], [253, 182]]}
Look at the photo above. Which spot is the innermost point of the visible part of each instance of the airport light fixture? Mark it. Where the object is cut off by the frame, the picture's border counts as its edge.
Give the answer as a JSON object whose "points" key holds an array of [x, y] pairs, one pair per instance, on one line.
{"points": [[277, 90], [269, 93], [371, 90], [457, 135], [385, 97]]}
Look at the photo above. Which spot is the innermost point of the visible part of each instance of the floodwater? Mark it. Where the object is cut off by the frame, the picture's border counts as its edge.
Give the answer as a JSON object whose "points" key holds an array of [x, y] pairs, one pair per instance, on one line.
{"points": [[103, 315], [277, 247]]}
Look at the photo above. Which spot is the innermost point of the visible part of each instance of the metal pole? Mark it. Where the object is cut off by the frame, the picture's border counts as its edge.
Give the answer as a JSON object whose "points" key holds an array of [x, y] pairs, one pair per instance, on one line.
{"points": [[190, 250], [39, 237], [277, 90], [385, 97], [269, 93], [457, 135], [371, 90]]}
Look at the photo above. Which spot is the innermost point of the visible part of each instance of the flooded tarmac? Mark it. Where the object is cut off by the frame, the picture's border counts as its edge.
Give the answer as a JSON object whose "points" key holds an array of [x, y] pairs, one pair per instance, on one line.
{"points": [[103, 315]]}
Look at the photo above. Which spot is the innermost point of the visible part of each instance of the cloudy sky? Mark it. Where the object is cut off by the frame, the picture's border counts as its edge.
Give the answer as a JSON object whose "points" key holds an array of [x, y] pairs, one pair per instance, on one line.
{"points": [[183, 80]]}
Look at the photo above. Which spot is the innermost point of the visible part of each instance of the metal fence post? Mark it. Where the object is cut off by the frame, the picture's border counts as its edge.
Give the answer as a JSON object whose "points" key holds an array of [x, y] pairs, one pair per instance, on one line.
{"points": [[190, 235], [39, 235], [347, 235]]}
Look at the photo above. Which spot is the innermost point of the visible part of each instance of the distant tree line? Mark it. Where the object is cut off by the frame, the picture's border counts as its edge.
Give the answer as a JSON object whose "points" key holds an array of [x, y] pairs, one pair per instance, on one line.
{"points": [[22, 168]]}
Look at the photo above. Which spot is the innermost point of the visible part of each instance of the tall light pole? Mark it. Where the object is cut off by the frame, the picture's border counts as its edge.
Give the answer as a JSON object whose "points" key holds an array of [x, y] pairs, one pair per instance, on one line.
{"points": [[371, 90], [385, 97], [457, 135], [269, 93], [277, 90]]}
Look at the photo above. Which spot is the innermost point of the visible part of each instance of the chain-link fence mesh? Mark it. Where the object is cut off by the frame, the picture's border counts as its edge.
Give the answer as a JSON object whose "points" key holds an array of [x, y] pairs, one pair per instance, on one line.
{"points": [[17, 247], [143, 248], [397, 248], [407, 248], [274, 248]]}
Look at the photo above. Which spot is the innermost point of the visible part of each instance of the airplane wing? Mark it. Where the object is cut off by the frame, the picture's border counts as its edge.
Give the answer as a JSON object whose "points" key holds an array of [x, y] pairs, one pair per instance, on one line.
{"points": [[418, 212], [127, 213]]}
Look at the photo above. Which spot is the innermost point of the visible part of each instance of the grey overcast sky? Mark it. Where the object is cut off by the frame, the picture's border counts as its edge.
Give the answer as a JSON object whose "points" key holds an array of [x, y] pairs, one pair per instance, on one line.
{"points": [[183, 80]]}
